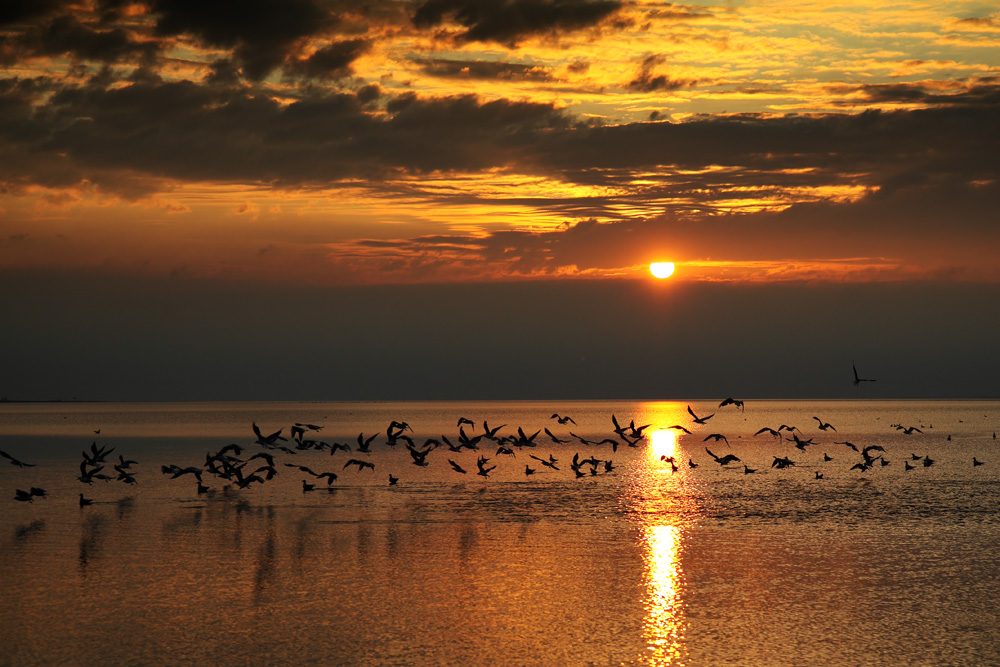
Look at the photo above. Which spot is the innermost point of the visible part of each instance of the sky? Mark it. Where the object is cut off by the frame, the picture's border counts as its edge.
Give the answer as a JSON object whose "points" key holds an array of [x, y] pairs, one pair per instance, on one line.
{"points": [[309, 199]]}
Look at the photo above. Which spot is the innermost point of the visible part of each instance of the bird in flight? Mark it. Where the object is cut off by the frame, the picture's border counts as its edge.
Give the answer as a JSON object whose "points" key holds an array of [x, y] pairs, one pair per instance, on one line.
{"points": [[859, 380], [16, 462], [697, 419], [722, 460], [731, 401], [823, 426], [563, 420]]}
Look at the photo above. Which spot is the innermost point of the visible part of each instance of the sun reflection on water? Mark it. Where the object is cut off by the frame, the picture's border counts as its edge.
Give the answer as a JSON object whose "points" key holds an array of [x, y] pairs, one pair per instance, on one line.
{"points": [[663, 501], [663, 627]]}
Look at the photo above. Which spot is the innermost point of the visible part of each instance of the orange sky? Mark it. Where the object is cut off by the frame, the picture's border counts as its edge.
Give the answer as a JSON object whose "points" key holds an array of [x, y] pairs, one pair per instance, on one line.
{"points": [[392, 142]]}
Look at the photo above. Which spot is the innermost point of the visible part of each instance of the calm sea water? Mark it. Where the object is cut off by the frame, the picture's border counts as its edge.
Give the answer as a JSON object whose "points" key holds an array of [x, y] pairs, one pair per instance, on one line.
{"points": [[708, 565]]}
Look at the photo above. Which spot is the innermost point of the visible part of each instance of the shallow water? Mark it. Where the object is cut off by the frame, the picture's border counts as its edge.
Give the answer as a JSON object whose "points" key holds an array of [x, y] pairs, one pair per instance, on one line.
{"points": [[703, 566]]}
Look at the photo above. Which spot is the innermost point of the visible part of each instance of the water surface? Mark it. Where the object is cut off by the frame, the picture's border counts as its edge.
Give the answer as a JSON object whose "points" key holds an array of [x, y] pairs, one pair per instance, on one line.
{"points": [[707, 565]]}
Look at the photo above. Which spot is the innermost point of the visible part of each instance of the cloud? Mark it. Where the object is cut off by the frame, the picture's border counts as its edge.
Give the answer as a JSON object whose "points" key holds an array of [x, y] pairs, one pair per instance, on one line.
{"points": [[511, 21], [483, 69], [67, 35], [645, 81], [332, 61], [262, 33]]}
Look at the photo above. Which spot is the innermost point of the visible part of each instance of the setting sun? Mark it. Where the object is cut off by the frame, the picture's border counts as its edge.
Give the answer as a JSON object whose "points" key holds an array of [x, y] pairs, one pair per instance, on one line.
{"points": [[662, 269]]}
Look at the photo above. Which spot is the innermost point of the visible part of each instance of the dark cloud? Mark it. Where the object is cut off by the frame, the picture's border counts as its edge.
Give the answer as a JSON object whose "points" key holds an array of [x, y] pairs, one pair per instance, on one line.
{"points": [[191, 131], [331, 61], [510, 21], [980, 91], [646, 82], [262, 33], [20, 11], [483, 69], [67, 35]]}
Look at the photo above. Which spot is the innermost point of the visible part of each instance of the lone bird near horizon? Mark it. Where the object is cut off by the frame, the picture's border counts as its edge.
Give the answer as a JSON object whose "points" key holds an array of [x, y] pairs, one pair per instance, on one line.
{"points": [[731, 401], [859, 380], [563, 420]]}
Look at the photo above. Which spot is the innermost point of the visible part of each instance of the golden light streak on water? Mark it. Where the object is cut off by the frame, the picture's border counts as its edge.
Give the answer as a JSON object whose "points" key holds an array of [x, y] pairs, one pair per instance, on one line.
{"points": [[664, 626], [662, 442]]}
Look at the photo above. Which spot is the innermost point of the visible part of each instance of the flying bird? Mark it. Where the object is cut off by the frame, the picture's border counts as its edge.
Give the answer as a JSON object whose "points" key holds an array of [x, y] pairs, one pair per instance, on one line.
{"points": [[824, 426], [563, 420], [16, 462], [723, 460], [731, 401], [361, 464], [859, 380], [697, 419]]}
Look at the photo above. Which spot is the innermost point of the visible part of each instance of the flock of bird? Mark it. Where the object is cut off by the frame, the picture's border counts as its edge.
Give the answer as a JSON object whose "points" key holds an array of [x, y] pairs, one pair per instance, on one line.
{"points": [[234, 466]]}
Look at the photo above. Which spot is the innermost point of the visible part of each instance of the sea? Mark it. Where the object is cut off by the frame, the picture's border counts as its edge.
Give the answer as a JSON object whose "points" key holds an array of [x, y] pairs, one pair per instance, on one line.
{"points": [[630, 542]]}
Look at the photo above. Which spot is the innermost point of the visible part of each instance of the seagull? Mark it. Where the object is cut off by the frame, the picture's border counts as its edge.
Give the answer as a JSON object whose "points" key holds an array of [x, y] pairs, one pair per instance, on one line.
{"points": [[528, 470], [731, 401], [267, 440], [563, 420], [23, 496], [464, 420], [722, 460], [909, 430], [859, 380], [716, 437], [819, 475], [392, 480], [680, 428], [976, 462], [697, 419], [16, 462], [692, 464], [307, 487], [851, 445], [456, 467], [361, 464], [364, 445], [551, 463], [555, 439], [748, 470], [824, 426], [483, 470], [85, 501], [769, 431]]}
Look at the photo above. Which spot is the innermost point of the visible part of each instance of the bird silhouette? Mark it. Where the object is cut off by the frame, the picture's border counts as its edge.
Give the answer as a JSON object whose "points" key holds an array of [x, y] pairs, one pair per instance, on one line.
{"points": [[16, 462], [563, 420], [361, 464], [716, 437], [859, 380], [723, 460], [824, 426], [697, 419], [456, 467], [85, 501], [731, 401]]}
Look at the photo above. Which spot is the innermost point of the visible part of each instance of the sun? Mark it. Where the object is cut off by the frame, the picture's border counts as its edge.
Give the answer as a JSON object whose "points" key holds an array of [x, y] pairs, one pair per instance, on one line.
{"points": [[662, 269]]}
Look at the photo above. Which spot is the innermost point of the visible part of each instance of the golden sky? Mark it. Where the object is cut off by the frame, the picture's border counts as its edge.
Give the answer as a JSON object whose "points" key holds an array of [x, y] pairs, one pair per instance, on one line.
{"points": [[330, 143]]}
